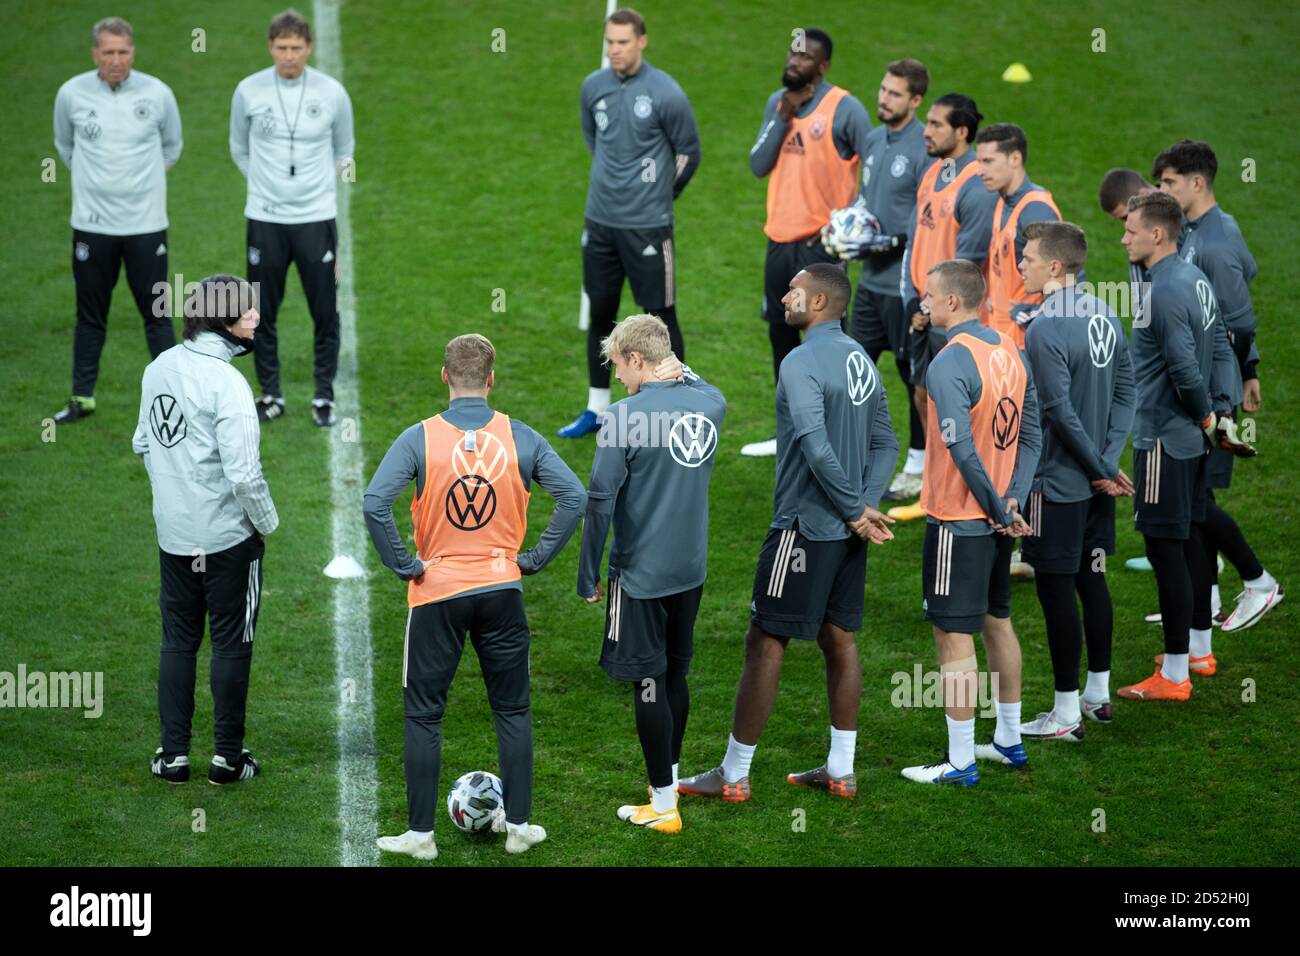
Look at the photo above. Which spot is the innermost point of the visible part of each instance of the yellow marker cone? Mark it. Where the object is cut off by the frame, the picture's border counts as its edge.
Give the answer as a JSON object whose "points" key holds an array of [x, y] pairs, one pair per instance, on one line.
{"points": [[1016, 73]]}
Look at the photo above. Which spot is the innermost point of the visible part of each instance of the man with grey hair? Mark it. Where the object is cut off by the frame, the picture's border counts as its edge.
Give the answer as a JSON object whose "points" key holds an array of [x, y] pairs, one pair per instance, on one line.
{"points": [[291, 135], [650, 480], [118, 130], [473, 469], [198, 436]]}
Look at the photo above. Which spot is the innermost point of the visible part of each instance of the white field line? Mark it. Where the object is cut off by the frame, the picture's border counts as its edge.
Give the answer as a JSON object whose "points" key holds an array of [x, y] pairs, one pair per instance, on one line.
{"points": [[357, 777], [584, 306]]}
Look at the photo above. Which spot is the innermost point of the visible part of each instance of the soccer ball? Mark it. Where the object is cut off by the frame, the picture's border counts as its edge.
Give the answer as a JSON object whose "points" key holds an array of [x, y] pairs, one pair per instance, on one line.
{"points": [[848, 230], [474, 800]]}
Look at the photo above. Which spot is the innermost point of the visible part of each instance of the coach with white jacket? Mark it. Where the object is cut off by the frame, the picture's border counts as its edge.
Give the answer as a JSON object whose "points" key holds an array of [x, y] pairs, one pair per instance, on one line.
{"points": [[198, 434]]}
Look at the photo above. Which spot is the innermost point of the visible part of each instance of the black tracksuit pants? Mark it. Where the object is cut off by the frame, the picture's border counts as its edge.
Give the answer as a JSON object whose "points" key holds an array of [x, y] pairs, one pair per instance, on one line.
{"points": [[225, 588], [313, 248], [97, 261]]}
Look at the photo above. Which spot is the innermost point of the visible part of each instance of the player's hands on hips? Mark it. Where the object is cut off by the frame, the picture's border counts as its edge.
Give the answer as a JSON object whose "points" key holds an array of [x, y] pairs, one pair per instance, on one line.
{"points": [[872, 526], [596, 596], [1251, 401], [670, 370]]}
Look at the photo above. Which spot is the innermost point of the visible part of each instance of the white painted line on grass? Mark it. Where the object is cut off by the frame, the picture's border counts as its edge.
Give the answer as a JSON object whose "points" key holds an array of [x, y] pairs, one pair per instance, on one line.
{"points": [[357, 777]]}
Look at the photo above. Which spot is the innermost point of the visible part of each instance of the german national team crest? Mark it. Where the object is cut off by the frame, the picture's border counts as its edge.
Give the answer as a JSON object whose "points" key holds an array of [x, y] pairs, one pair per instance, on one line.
{"points": [[898, 166], [254, 256], [82, 252], [817, 127], [945, 207], [1101, 341], [142, 110], [91, 131], [313, 109], [267, 123], [642, 107], [166, 420], [862, 378], [602, 120]]}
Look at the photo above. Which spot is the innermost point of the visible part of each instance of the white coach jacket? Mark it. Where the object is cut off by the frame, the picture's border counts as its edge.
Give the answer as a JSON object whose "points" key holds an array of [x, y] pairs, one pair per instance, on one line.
{"points": [[198, 435]]}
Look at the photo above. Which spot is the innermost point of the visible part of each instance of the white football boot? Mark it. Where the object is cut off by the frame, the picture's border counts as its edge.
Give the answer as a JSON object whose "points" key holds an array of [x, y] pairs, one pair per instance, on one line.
{"points": [[1252, 604], [422, 848], [1048, 727]]}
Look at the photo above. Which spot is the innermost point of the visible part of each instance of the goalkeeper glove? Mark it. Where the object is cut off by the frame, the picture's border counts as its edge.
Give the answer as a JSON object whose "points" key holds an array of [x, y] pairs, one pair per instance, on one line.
{"points": [[1222, 433]]}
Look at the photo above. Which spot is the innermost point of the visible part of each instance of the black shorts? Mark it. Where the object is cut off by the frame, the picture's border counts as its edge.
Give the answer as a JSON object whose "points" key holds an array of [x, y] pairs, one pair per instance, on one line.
{"points": [[964, 578], [799, 584], [1067, 533], [785, 260], [878, 325], [1168, 493], [643, 636], [1218, 470], [645, 257], [924, 346]]}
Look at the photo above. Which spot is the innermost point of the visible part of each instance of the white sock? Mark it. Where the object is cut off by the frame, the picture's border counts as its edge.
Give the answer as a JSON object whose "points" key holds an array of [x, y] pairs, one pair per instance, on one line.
{"points": [[839, 762], [663, 799], [735, 765], [1066, 707], [1216, 602], [1265, 582], [1007, 732], [1097, 690], [1200, 642], [420, 834], [674, 776], [915, 463], [961, 742], [597, 399], [1174, 668], [517, 828]]}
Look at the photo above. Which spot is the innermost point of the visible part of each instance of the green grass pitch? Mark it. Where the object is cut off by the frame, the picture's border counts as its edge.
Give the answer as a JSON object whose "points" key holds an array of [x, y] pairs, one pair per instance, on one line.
{"points": [[471, 173]]}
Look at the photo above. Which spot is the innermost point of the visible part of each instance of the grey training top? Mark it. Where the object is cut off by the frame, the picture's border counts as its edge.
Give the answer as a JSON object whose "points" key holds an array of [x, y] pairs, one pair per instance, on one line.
{"points": [[892, 167], [1084, 379], [119, 145], [644, 146], [849, 128], [955, 386], [537, 462], [835, 443], [654, 456], [288, 138], [1173, 355], [1214, 245], [974, 213]]}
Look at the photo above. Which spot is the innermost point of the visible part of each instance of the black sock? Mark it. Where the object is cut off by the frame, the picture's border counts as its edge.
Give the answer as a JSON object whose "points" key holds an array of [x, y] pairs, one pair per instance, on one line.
{"points": [[1064, 635], [669, 315], [1200, 569], [679, 702], [1098, 615], [603, 313], [654, 725], [1223, 534], [784, 339], [1174, 586]]}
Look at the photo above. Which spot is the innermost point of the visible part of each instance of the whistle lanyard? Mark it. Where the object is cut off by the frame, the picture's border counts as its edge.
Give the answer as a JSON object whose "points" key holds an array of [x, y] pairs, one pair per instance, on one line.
{"points": [[293, 127]]}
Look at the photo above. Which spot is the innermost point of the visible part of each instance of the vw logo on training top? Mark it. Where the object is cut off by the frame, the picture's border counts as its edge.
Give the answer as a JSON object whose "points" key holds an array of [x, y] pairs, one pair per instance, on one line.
{"points": [[862, 378], [471, 502], [1004, 369], [1101, 341], [692, 439], [1209, 308], [487, 459], [166, 420]]}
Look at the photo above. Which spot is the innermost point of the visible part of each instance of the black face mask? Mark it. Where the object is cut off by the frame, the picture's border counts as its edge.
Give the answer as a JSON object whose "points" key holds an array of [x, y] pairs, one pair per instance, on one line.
{"points": [[244, 346]]}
